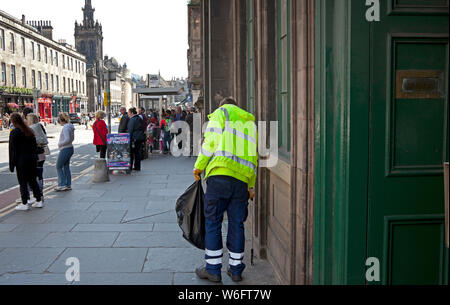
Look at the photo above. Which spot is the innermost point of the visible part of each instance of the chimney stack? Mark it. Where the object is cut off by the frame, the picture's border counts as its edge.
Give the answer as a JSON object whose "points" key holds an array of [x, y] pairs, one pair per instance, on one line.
{"points": [[23, 19]]}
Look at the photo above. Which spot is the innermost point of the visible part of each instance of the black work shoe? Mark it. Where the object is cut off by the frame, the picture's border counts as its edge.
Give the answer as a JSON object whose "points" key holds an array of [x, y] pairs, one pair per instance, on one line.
{"points": [[203, 274], [234, 278]]}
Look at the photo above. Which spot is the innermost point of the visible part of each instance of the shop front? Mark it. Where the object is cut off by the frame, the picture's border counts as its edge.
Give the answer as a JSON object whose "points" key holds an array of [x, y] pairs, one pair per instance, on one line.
{"points": [[60, 104], [45, 109]]}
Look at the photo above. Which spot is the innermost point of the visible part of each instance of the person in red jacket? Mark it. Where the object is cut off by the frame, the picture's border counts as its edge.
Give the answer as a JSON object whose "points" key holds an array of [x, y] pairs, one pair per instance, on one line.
{"points": [[100, 133]]}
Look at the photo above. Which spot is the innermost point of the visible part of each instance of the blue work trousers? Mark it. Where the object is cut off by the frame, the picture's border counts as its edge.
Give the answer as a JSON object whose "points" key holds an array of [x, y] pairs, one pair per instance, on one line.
{"points": [[228, 194]]}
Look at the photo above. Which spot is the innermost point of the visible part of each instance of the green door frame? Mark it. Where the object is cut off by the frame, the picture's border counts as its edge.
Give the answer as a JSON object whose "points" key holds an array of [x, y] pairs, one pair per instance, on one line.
{"points": [[342, 93]]}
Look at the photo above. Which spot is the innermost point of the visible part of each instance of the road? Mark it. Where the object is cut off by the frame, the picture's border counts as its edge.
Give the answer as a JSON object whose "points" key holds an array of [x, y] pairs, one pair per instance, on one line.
{"points": [[82, 159]]}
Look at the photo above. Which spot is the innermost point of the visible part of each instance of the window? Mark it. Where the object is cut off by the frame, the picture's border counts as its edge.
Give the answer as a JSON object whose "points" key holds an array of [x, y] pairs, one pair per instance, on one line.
{"points": [[12, 45], [64, 62], [57, 83], [83, 88], [56, 59], [283, 74], [39, 52], [24, 77], [32, 51], [51, 57], [77, 86], [73, 88], [53, 82], [46, 81], [23, 47], [3, 73], [33, 78], [45, 55], [71, 63], [64, 83], [39, 80], [2, 39], [251, 57], [13, 75]]}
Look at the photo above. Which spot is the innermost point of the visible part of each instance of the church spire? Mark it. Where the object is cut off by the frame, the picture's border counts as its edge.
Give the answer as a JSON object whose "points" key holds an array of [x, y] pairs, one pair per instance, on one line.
{"points": [[88, 14]]}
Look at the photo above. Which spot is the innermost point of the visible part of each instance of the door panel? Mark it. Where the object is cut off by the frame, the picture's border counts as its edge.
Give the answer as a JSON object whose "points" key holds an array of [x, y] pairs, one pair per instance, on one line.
{"points": [[408, 142]]}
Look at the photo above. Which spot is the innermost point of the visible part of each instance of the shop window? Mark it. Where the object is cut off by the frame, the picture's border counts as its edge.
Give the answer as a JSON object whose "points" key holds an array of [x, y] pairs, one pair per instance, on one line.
{"points": [[251, 56], [283, 74]]}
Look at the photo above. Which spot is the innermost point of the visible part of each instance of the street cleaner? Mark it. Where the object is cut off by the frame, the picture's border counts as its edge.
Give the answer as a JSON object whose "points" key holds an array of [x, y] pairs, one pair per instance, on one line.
{"points": [[229, 160]]}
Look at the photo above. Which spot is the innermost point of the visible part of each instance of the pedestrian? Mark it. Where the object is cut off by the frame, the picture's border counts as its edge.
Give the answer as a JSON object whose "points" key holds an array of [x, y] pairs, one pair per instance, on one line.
{"points": [[23, 158], [123, 126], [66, 150], [137, 138], [190, 122], [42, 142], [230, 176], [100, 134]]}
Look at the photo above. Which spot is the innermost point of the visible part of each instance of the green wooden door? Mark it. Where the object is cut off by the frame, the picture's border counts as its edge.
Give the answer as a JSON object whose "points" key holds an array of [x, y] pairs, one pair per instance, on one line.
{"points": [[408, 141]]}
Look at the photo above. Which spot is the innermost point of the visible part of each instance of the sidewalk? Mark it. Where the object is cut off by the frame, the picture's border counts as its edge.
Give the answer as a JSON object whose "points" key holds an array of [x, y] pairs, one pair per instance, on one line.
{"points": [[122, 232]]}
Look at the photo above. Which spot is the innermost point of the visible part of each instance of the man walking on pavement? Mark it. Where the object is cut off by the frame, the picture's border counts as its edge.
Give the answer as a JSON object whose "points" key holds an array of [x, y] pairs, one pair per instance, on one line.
{"points": [[229, 160], [123, 126], [137, 137]]}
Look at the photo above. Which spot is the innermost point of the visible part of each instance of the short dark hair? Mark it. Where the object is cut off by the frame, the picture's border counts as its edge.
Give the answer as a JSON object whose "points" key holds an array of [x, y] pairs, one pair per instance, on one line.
{"points": [[228, 101], [27, 111]]}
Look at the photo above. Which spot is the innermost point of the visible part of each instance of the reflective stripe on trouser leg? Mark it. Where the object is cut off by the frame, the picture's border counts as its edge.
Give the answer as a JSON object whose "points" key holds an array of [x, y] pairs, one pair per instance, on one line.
{"points": [[236, 259]]}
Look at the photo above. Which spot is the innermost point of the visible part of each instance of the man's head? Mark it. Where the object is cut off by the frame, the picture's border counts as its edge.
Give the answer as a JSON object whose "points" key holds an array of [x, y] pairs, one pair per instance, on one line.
{"points": [[228, 101], [123, 110], [141, 110], [27, 111]]}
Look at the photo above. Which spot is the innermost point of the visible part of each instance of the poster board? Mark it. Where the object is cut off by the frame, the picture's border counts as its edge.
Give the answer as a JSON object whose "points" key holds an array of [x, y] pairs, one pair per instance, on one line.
{"points": [[119, 155]]}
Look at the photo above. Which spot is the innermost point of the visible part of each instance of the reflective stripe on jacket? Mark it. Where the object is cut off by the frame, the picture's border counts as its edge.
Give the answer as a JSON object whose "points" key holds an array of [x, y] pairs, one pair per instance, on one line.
{"points": [[230, 146]]}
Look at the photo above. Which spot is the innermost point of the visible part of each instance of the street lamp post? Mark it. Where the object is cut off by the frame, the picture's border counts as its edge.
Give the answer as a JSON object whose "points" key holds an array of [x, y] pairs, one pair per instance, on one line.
{"points": [[110, 75]]}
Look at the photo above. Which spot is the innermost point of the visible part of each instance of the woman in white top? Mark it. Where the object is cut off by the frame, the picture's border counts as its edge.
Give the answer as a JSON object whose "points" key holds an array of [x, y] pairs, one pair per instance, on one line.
{"points": [[42, 142]]}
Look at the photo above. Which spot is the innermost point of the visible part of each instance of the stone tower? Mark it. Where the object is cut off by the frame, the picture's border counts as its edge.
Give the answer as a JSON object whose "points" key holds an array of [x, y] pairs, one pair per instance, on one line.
{"points": [[89, 42]]}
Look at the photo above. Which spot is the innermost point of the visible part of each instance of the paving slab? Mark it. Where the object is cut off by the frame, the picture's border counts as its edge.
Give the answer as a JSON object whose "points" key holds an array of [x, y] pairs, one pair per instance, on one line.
{"points": [[33, 279], [116, 206], [166, 227], [137, 279], [63, 205], [173, 259], [102, 260], [78, 240], [113, 228], [109, 217], [20, 239], [7, 227], [44, 228], [32, 216], [29, 260], [69, 217], [151, 240], [168, 216]]}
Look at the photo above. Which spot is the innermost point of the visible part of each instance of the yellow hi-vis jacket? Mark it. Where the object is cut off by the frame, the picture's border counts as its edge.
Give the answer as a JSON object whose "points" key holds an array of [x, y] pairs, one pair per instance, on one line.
{"points": [[230, 146]]}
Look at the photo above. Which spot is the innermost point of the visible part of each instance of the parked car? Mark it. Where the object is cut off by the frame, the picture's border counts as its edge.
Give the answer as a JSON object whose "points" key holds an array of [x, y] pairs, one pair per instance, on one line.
{"points": [[75, 118]]}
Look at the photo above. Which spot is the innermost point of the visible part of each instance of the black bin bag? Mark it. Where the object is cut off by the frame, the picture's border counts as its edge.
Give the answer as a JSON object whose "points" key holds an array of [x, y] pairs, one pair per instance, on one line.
{"points": [[191, 218]]}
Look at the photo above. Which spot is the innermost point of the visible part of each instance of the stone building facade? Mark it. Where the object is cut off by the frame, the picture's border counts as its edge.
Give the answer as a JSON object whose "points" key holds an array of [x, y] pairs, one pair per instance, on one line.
{"points": [[121, 87], [351, 95], [37, 70], [195, 77], [89, 42]]}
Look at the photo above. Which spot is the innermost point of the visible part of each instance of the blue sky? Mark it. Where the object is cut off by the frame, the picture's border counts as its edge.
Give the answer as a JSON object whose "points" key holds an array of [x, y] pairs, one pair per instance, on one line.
{"points": [[149, 35]]}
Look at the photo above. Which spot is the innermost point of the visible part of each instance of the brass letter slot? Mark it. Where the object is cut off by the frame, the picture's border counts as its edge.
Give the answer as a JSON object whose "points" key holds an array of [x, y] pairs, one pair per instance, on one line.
{"points": [[419, 84]]}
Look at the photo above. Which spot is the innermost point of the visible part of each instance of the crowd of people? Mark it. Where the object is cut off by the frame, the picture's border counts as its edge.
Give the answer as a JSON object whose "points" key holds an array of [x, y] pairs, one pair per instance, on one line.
{"points": [[28, 148], [28, 144]]}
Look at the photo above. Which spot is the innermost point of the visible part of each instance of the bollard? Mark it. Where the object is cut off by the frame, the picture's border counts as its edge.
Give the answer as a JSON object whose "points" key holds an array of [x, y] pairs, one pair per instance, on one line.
{"points": [[101, 172]]}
